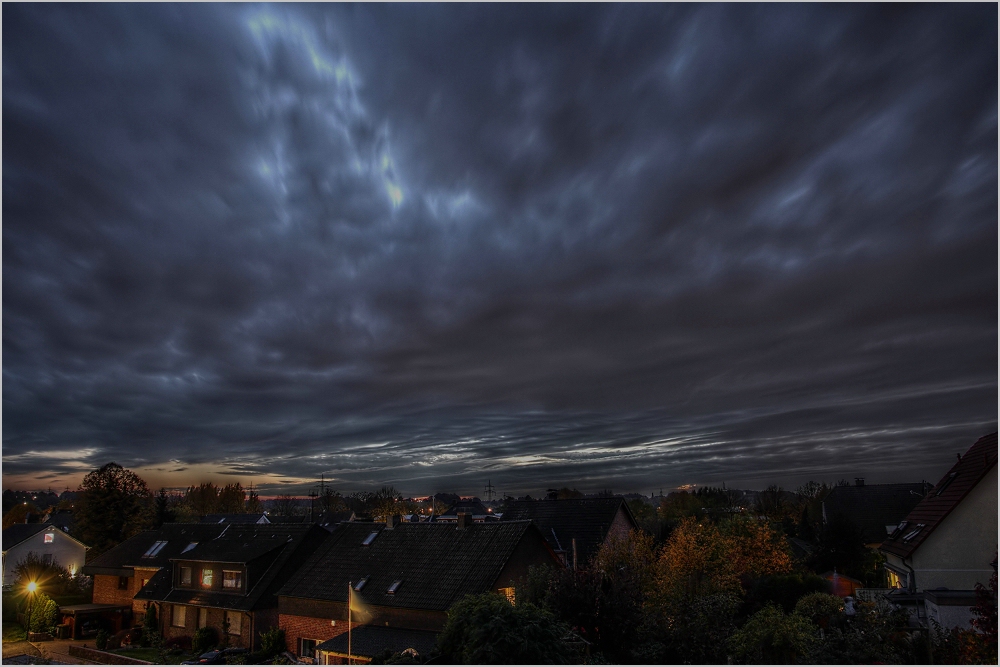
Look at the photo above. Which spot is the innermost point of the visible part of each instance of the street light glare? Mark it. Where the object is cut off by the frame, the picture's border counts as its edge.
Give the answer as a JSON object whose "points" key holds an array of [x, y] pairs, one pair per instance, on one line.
{"points": [[32, 586]]}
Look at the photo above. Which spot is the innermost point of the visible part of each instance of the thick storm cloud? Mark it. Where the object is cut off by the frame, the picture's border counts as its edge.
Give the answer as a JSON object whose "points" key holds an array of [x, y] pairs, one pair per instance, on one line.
{"points": [[627, 246]]}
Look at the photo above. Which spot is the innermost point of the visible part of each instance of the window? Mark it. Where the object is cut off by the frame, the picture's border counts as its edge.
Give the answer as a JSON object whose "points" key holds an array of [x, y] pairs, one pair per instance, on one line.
{"points": [[394, 587], [896, 580], [206, 578], [235, 619], [123, 583], [361, 583], [232, 579], [202, 618], [507, 593], [307, 647], [144, 582], [946, 483], [189, 547], [49, 537], [185, 576], [178, 616], [46, 559], [155, 549], [913, 533], [369, 539]]}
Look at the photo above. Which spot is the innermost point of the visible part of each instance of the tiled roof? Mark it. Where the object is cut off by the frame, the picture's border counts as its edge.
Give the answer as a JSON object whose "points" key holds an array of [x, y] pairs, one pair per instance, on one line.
{"points": [[585, 519], [944, 497], [19, 532], [437, 563], [233, 518], [872, 507], [239, 543], [371, 640], [129, 553]]}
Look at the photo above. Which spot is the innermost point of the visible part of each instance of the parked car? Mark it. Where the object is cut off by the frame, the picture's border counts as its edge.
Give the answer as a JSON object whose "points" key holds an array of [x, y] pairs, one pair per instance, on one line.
{"points": [[216, 657]]}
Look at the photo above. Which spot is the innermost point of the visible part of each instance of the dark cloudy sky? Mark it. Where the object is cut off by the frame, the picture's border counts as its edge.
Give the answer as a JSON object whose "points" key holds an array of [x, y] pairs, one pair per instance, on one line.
{"points": [[623, 247]]}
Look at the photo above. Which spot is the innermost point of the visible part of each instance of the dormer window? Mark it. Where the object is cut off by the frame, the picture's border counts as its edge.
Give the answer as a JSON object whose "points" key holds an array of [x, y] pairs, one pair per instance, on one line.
{"points": [[206, 578], [189, 547], [232, 579], [361, 584], [185, 576], [370, 539], [394, 587], [155, 549]]}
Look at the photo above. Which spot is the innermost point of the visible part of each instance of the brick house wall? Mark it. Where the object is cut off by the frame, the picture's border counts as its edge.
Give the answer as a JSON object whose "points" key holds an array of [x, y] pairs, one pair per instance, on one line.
{"points": [[214, 620], [620, 526], [307, 627]]}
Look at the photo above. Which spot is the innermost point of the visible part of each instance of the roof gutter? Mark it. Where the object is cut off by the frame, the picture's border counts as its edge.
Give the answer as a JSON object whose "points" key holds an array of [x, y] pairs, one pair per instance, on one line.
{"points": [[912, 583]]}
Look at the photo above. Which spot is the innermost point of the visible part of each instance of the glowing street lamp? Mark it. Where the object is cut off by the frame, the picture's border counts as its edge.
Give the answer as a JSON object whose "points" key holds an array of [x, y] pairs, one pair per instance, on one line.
{"points": [[32, 586]]}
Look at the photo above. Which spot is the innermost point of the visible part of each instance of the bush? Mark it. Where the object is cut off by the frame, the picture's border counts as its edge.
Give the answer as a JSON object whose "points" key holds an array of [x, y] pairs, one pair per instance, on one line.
{"points": [[150, 627], [44, 614], [784, 590], [821, 608], [272, 642], [772, 637], [101, 641], [205, 639], [486, 629]]}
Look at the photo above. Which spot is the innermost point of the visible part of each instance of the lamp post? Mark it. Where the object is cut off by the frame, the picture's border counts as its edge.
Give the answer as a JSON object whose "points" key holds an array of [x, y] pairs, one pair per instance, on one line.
{"points": [[32, 587]]}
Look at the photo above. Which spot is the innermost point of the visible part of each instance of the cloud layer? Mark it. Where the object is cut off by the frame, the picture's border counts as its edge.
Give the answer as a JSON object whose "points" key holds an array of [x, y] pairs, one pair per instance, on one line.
{"points": [[603, 246]]}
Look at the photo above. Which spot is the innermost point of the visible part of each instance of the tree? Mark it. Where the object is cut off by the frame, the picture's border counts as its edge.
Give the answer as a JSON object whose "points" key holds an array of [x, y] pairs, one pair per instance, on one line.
{"points": [[771, 502], [285, 505], [50, 577], [202, 499], [232, 499], [150, 626], [18, 514], [164, 512], [385, 503], [487, 629], [114, 504], [253, 504]]}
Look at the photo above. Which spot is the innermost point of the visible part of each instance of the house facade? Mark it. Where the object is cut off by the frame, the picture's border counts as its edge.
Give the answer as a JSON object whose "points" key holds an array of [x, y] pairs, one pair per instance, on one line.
{"points": [[407, 575], [575, 528], [229, 582], [47, 541], [946, 545]]}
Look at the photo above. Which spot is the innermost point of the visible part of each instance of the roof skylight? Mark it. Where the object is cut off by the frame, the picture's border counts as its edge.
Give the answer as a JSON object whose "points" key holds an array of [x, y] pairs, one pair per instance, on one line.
{"points": [[370, 539], [394, 587], [155, 549]]}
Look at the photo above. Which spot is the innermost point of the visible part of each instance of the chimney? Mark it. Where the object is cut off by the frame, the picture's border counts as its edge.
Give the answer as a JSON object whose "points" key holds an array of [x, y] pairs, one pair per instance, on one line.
{"points": [[859, 481], [391, 521], [464, 520]]}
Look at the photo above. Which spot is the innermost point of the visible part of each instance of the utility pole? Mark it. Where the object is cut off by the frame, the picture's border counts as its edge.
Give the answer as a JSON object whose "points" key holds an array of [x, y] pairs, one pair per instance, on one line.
{"points": [[490, 491]]}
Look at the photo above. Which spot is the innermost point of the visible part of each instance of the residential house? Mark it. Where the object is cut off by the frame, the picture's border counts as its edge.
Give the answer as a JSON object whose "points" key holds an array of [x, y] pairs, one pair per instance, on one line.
{"points": [[876, 509], [575, 528], [229, 582], [121, 572], [47, 541], [480, 513], [945, 545], [408, 574]]}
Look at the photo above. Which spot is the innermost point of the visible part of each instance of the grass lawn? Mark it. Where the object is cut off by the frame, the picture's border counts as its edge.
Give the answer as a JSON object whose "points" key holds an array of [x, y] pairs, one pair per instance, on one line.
{"points": [[150, 655], [12, 632]]}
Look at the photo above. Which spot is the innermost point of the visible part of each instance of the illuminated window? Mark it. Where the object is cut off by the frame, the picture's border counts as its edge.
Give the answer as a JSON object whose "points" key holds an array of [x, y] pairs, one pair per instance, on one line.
{"points": [[48, 538], [232, 579], [206, 578], [235, 619], [178, 617], [508, 593], [185, 576]]}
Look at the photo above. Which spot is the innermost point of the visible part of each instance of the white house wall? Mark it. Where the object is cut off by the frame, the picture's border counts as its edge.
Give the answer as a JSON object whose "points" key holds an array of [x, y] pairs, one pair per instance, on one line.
{"points": [[64, 549], [957, 555]]}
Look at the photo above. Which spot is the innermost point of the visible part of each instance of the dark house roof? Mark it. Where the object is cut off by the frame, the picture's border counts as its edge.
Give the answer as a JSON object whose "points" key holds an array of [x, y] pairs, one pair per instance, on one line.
{"points": [[473, 507], [436, 563], [371, 640], [585, 519], [19, 532], [277, 551], [944, 497], [872, 507], [235, 518], [132, 552], [61, 519]]}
